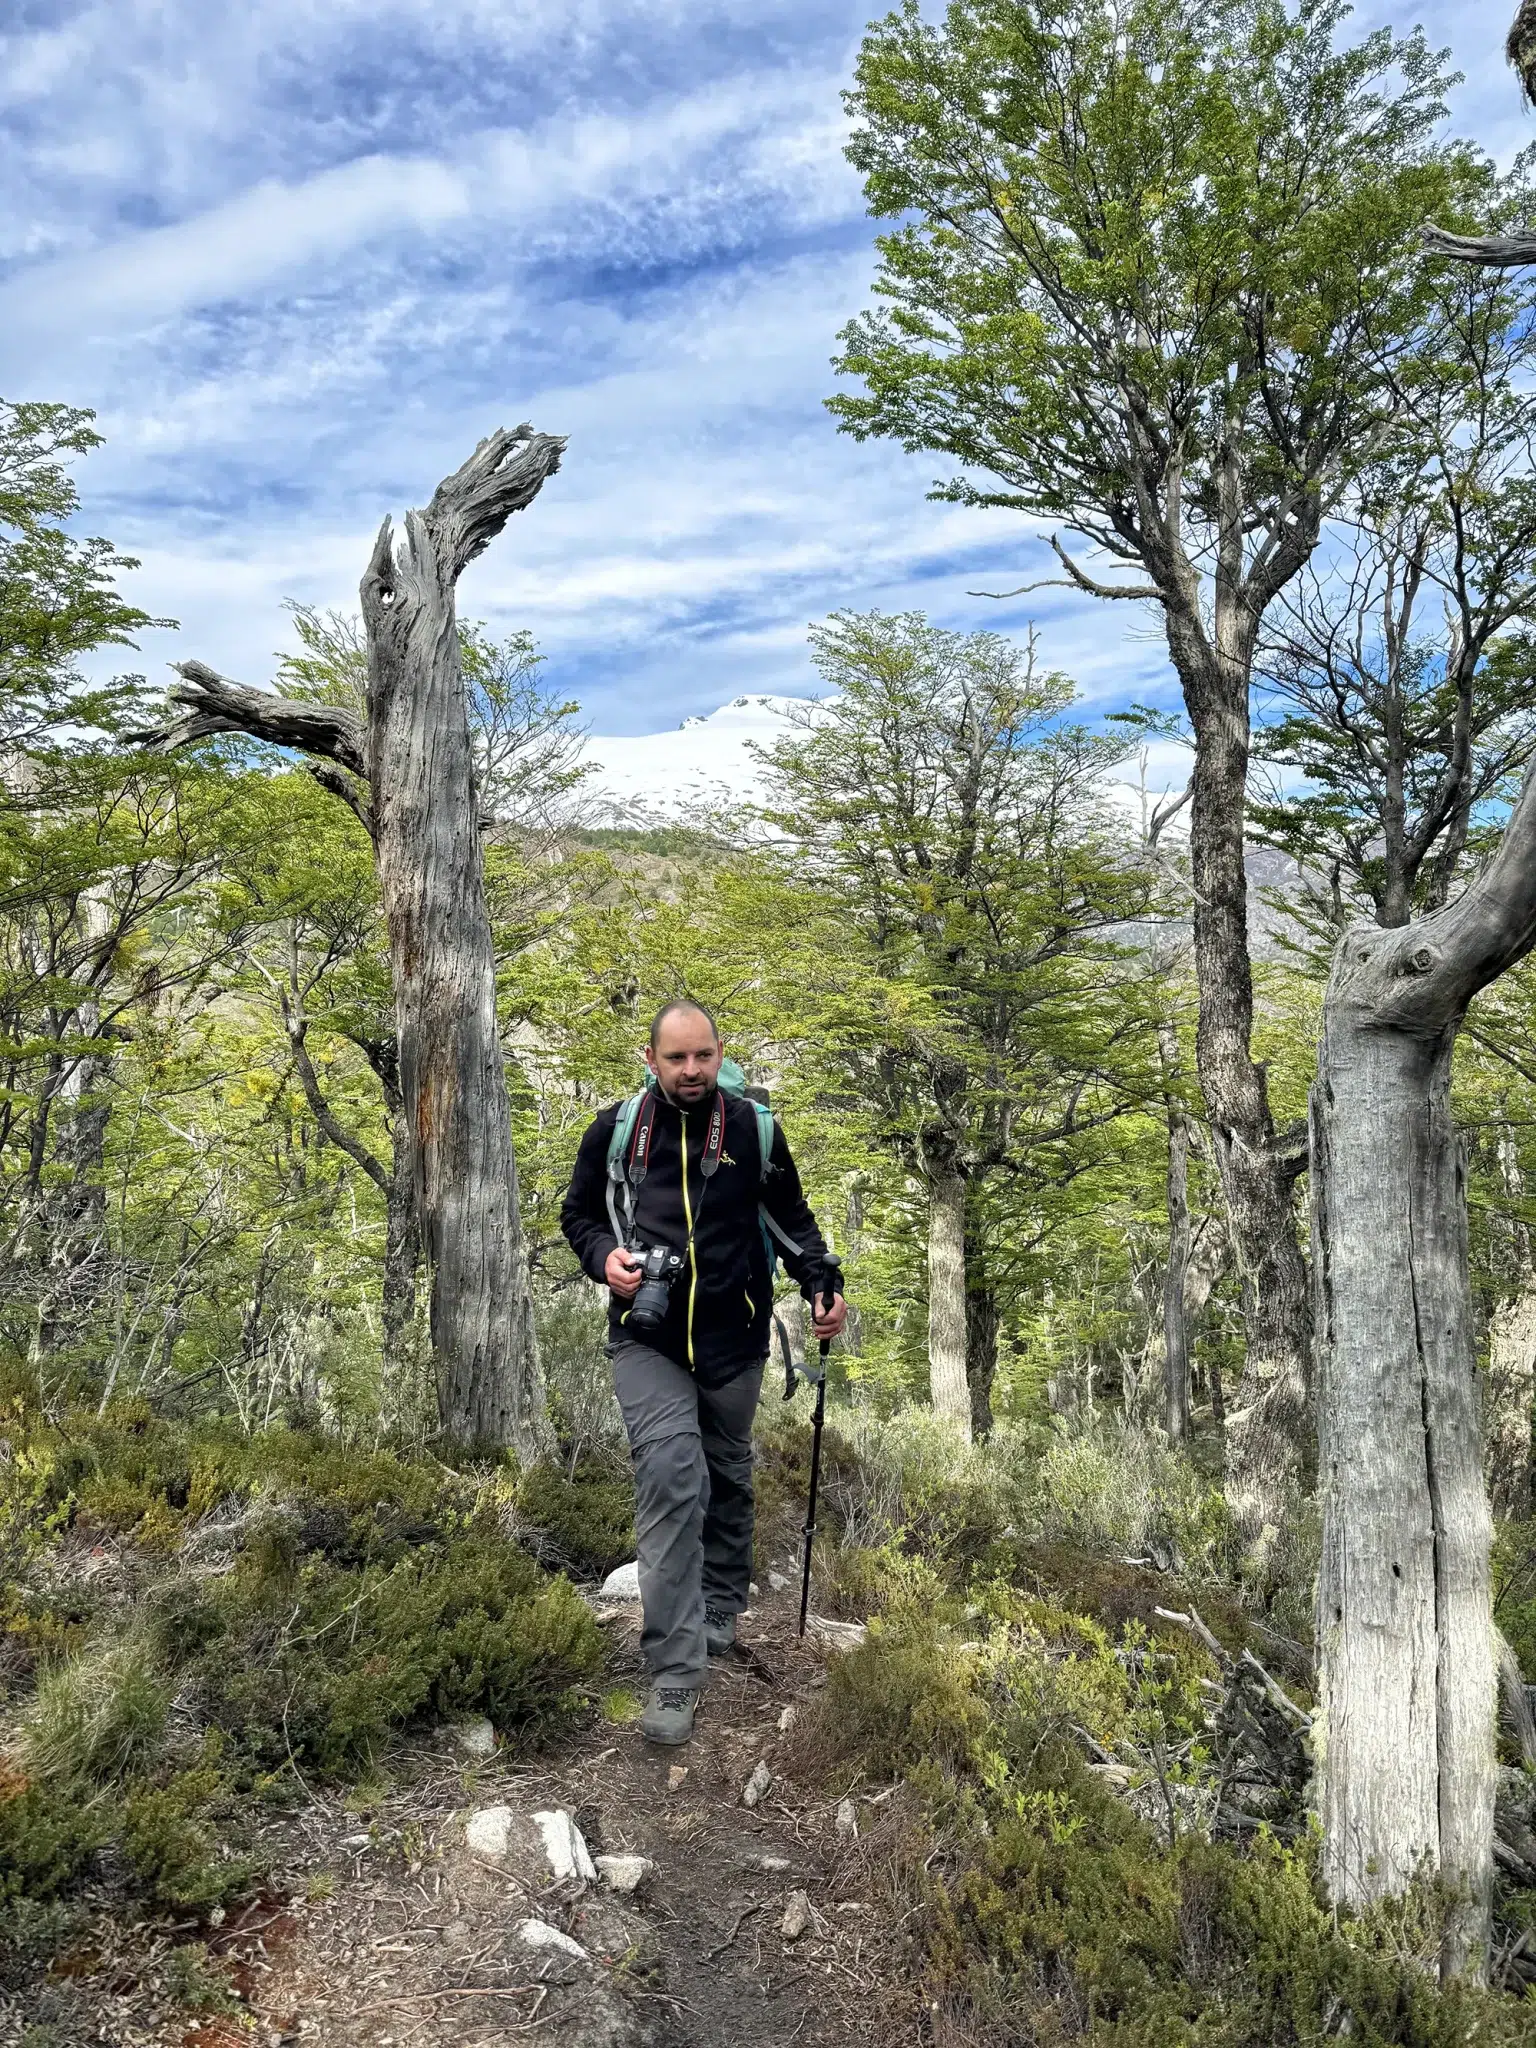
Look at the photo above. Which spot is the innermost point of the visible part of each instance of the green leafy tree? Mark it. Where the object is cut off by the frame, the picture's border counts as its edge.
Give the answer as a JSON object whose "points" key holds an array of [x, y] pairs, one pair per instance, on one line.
{"points": [[58, 594], [939, 797], [1155, 259], [1402, 663]]}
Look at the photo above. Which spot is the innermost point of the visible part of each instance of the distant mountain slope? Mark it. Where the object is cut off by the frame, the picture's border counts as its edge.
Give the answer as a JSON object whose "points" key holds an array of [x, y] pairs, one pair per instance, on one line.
{"points": [[704, 762]]}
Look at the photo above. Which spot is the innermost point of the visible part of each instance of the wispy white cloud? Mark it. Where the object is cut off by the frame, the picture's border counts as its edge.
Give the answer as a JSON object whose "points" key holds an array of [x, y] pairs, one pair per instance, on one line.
{"points": [[301, 255]]}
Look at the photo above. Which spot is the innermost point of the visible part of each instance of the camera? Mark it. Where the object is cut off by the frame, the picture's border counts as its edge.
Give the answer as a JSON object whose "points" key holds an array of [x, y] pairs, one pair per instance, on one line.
{"points": [[659, 1267]]}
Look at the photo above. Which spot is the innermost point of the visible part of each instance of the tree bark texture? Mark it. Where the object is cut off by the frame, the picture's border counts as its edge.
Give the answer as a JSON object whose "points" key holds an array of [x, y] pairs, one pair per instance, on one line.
{"points": [[1266, 1421], [1511, 1353], [981, 1353], [407, 772], [402, 1249], [1405, 1648], [946, 1299], [1511, 1390], [426, 833], [1176, 1409]]}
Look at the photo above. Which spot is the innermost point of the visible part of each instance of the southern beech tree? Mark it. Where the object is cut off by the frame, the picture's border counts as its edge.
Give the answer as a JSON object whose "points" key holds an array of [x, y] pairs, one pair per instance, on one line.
{"points": [[938, 798], [1402, 661], [406, 770], [1155, 260]]}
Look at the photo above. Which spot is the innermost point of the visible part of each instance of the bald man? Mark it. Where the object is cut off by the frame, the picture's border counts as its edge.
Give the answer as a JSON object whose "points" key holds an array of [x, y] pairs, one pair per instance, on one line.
{"points": [[693, 1181]]}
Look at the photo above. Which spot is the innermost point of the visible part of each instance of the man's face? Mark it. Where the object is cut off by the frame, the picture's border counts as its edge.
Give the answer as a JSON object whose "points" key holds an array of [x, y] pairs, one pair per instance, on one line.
{"points": [[686, 1059]]}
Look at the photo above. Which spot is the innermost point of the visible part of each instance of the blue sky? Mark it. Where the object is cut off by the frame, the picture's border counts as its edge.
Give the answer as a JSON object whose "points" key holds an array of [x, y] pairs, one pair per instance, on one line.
{"points": [[300, 255]]}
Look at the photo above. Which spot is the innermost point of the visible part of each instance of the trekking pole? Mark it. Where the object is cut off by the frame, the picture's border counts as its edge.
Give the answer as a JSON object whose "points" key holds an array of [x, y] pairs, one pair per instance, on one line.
{"points": [[818, 1379]]}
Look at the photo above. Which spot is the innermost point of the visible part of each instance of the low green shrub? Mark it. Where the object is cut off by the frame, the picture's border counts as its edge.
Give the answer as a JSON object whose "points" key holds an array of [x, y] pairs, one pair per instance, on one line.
{"points": [[179, 1860], [1050, 1910], [298, 1659], [586, 1518], [48, 1835], [302, 1602]]}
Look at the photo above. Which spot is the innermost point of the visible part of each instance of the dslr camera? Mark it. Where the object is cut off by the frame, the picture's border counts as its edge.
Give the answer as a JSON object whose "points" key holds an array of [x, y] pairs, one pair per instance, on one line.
{"points": [[659, 1267]]}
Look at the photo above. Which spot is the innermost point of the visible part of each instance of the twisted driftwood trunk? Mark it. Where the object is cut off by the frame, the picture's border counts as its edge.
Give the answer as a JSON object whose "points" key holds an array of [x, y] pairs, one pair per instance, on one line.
{"points": [[407, 773], [1405, 1627]]}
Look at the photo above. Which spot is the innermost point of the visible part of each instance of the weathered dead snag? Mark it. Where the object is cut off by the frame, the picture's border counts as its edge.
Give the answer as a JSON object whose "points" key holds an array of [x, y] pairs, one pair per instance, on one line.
{"points": [[407, 772], [1405, 1629]]}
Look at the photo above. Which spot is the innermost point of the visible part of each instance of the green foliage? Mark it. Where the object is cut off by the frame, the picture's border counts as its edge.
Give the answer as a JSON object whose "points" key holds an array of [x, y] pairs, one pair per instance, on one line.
{"points": [[48, 1834], [356, 1594], [57, 593], [1054, 1907], [196, 1982], [1408, 735], [586, 1517], [171, 1848], [1144, 259], [1124, 1493], [97, 1718]]}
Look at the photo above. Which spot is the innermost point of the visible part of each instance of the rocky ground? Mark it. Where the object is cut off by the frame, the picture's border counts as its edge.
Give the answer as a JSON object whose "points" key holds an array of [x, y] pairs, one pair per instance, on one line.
{"points": [[453, 1906]]}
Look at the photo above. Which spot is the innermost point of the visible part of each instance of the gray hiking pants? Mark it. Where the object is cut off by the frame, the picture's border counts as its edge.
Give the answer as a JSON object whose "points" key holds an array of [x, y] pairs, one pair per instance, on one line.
{"points": [[692, 1452]]}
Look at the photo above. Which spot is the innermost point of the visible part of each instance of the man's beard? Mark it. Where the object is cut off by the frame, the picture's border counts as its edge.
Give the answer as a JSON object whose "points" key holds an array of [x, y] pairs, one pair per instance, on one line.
{"points": [[698, 1091]]}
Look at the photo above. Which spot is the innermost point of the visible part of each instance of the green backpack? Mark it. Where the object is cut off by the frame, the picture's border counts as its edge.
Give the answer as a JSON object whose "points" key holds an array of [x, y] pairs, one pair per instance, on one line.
{"points": [[732, 1081]]}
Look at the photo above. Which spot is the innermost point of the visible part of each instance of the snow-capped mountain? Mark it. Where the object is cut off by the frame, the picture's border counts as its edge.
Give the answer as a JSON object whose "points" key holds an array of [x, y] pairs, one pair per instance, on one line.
{"points": [[701, 764]]}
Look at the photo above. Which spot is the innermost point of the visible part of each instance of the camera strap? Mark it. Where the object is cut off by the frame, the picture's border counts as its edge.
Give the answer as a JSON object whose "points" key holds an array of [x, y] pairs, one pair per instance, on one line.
{"points": [[714, 1137], [640, 1144], [632, 1172]]}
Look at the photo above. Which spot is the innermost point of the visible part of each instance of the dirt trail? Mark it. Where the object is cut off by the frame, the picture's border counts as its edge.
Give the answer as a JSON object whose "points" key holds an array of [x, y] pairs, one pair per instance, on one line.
{"points": [[382, 1930]]}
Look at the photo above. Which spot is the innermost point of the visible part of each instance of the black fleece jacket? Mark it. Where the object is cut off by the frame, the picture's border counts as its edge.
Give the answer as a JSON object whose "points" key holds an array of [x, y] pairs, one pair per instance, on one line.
{"points": [[719, 1317]]}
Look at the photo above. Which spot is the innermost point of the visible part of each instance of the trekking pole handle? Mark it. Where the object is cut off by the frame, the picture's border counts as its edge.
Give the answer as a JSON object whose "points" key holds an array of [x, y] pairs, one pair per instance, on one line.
{"points": [[828, 1295]]}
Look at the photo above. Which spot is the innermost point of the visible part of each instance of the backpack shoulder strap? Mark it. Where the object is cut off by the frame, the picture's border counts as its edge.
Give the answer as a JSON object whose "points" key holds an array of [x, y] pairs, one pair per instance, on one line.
{"points": [[618, 1170], [771, 1230], [623, 1130], [764, 1134]]}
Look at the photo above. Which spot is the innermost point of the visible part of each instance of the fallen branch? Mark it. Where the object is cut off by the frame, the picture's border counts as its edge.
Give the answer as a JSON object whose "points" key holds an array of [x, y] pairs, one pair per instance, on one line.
{"points": [[1196, 1627], [1276, 1692]]}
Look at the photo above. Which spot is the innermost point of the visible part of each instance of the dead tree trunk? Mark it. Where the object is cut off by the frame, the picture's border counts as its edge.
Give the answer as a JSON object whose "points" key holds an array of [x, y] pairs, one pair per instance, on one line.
{"points": [[1512, 1358], [427, 834], [946, 1297], [408, 774], [1176, 1414], [1406, 1653]]}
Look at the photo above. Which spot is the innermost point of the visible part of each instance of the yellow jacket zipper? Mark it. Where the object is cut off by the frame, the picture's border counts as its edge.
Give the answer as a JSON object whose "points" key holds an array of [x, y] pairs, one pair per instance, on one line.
{"points": [[693, 1257]]}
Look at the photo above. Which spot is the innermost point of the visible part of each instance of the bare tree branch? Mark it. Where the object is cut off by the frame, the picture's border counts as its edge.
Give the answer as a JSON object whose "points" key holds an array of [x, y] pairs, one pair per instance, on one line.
{"points": [[503, 476], [1075, 579], [216, 705], [297, 1028], [1493, 251]]}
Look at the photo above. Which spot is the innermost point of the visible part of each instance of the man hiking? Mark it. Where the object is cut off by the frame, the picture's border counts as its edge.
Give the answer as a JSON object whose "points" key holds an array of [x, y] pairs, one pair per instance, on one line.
{"points": [[673, 1200]]}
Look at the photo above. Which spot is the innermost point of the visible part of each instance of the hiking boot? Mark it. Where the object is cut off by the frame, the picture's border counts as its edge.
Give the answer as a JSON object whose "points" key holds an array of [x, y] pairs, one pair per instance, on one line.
{"points": [[668, 1715], [719, 1631]]}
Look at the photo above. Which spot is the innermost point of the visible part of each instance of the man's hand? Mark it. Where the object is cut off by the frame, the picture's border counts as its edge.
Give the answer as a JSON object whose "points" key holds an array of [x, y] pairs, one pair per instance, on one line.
{"points": [[826, 1322], [622, 1271]]}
